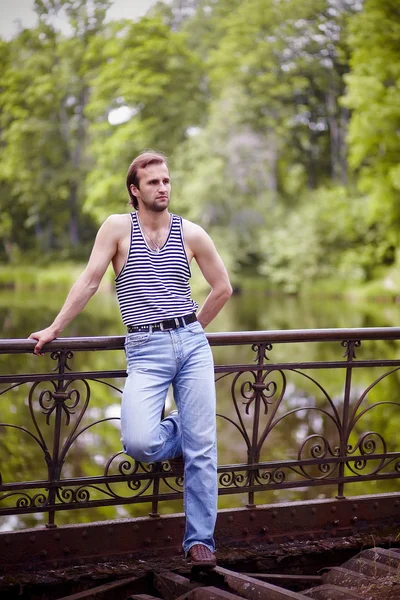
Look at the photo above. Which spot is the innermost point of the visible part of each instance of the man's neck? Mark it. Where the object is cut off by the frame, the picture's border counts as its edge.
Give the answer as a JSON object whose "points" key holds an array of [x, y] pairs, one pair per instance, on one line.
{"points": [[154, 221]]}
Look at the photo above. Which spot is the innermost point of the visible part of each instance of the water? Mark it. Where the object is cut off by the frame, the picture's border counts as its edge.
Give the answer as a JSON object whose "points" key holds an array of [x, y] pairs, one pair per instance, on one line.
{"points": [[24, 312]]}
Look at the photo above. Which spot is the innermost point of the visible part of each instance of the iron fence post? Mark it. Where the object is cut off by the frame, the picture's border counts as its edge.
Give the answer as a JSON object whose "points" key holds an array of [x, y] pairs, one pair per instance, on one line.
{"points": [[253, 451], [350, 355], [55, 467]]}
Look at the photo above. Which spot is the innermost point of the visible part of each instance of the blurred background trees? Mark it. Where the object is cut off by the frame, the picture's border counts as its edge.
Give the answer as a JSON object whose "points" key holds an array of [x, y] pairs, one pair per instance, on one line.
{"points": [[281, 120]]}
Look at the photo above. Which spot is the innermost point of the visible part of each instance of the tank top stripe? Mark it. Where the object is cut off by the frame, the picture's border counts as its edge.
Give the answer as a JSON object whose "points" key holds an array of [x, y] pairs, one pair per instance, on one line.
{"points": [[153, 286]]}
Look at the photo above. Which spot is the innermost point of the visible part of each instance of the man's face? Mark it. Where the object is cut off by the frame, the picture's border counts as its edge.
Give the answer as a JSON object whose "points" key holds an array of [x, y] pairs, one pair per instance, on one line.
{"points": [[154, 187]]}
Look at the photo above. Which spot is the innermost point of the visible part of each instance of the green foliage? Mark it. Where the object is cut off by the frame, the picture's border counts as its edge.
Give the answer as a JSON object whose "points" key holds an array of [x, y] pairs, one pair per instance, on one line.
{"points": [[150, 70], [327, 236], [227, 191], [373, 94], [289, 58], [248, 98], [44, 92]]}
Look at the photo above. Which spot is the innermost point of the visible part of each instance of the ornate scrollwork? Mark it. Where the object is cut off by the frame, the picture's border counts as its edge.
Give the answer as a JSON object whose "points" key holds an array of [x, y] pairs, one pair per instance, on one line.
{"points": [[273, 476], [321, 450], [262, 403], [259, 387], [127, 467], [278, 476], [133, 471], [261, 350], [367, 446], [24, 500], [350, 346], [61, 398], [73, 496], [62, 357], [250, 389], [263, 477], [172, 480], [233, 479]]}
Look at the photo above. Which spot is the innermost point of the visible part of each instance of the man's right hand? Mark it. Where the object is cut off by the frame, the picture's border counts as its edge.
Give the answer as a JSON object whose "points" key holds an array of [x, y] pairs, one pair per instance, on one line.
{"points": [[43, 337]]}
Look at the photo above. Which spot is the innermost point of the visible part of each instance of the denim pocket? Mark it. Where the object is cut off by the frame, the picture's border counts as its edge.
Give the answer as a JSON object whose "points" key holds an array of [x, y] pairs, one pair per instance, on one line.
{"points": [[195, 328], [138, 338]]}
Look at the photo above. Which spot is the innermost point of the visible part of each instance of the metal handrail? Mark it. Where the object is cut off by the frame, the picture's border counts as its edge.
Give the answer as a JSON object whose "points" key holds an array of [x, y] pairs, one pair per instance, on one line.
{"points": [[340, 453], [10, 346]]}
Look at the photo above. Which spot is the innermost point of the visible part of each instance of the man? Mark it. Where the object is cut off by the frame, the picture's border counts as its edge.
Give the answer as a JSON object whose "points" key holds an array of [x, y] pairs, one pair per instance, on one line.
{"points": [[151, 250]]}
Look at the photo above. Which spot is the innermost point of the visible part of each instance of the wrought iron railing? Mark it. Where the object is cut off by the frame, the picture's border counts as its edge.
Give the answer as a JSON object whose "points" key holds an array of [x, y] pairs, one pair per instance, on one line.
{"points": [[296, 410]]}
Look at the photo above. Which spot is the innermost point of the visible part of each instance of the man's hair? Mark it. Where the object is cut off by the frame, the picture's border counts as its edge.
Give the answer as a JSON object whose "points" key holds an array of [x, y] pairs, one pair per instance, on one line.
{"points": [[148, 157]]}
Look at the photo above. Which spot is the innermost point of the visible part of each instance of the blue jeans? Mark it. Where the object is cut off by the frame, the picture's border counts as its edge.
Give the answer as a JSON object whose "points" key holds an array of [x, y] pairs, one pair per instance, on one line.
{"points": [[182, 357]]}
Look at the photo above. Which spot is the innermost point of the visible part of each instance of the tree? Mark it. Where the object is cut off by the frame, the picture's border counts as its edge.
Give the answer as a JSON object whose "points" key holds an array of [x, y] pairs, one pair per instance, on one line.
{"points": [[221, 182], [290, 59], [373, 94], [45, 89], [150, 72]]}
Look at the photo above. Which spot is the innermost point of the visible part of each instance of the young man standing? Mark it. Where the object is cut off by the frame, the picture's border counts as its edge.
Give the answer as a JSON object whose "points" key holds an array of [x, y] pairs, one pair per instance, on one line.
{"points": [[151, 251]]}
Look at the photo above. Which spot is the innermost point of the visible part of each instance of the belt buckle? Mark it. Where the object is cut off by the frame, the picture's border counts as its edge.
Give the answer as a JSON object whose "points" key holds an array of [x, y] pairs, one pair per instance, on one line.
{"points": [[177, 324]]}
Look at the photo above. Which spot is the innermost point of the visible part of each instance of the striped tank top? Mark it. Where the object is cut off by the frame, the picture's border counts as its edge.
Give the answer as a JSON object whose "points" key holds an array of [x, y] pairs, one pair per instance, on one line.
{"points": [[153, 286]]}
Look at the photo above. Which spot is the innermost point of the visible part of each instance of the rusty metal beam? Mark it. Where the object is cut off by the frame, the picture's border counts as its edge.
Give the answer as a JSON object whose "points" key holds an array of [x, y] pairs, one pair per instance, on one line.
{"points": [[142, 597], [208, 593], [172, 585], [114, 590], [285, 577], [252, 589], [145, 536], [346, 577], [359, 564], [390, 557], [332, 592]]}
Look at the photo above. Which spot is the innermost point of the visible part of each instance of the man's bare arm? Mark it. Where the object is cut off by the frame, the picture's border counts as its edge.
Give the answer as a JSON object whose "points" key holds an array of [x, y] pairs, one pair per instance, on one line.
{"points": [[104, 249], [213, 269]]}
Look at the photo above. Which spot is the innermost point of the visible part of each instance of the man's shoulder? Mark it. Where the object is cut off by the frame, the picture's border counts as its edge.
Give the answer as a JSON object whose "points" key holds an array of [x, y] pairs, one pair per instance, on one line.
{"points": [[118, 218], [117, 221], [192, 228], [115, 227], [196, 238]]}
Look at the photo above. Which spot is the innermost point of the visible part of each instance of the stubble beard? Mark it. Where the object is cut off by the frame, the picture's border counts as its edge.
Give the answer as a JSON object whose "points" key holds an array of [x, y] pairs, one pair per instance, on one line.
{"points": [[156, 207], [159, 209]]}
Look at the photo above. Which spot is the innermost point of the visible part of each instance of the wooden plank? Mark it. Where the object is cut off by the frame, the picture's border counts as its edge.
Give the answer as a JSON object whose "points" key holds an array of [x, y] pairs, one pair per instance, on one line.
{"points": [[252, 589]]}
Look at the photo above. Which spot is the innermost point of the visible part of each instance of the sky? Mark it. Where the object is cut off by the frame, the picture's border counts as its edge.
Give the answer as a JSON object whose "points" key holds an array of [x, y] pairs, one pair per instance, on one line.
{"points": [[12, 11]]}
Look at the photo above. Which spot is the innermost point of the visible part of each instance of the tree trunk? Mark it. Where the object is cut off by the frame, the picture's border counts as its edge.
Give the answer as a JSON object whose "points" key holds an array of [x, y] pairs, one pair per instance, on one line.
{"points": [[73, 225], [344, 122], [334, 130]]}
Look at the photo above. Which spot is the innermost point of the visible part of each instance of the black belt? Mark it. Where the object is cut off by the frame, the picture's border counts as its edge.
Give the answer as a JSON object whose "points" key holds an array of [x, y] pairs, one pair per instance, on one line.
{"points": [[164, 325]]}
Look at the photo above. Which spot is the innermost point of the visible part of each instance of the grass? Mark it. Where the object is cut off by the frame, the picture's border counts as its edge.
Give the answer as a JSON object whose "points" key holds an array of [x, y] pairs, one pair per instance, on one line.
{"points": [[60, 275]]}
